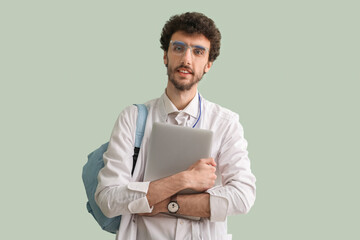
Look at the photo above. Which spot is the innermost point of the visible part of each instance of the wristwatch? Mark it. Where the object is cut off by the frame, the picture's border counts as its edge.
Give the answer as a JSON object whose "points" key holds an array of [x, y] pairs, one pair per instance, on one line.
{"points": [[173, 205]]}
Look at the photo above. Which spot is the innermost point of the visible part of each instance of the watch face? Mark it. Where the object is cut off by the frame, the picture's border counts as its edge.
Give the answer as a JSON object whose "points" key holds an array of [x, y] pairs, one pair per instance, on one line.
{"points": [[173, 207]]}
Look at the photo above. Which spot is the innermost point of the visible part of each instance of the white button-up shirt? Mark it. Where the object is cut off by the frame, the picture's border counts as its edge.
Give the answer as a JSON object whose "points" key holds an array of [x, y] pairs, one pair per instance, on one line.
{"points": [[119, 193]]}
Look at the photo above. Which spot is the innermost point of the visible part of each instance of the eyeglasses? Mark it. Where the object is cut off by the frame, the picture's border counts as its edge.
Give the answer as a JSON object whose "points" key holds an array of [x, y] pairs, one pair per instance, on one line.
{"points": [[180, 48]]}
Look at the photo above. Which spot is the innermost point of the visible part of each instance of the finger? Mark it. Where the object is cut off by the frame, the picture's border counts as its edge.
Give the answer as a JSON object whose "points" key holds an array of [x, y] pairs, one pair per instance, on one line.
{"points": [[210, 161]]}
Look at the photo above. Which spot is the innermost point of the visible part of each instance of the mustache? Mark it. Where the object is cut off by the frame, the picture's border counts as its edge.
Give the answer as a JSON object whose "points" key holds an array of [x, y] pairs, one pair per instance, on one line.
{"points": [[189, 69]]}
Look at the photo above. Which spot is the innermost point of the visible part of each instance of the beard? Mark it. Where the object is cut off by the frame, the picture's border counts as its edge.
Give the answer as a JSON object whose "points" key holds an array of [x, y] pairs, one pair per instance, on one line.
{"points": [[179, 85]]}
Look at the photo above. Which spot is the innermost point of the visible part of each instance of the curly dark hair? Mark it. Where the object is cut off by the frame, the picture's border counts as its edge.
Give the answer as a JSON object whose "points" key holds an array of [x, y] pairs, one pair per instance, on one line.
{"points": [[192, 22]]}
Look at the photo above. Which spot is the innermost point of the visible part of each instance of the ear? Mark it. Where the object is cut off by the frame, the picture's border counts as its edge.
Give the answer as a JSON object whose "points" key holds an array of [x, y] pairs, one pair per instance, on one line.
{"points": [[165, 58], [208, 66]]}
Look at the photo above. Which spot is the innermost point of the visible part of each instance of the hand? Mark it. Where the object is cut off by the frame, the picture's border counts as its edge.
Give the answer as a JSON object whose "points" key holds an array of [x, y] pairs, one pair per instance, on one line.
{"points": [[201, 175], [158, 208]]}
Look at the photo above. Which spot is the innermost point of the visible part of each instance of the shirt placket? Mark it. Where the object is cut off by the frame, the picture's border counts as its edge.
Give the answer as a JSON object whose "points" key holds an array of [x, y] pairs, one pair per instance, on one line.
{"points": [[183, 230]]}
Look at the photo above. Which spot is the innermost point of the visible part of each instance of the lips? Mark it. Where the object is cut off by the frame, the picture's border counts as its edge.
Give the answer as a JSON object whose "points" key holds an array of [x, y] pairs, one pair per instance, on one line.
{"points": [[184, 70]]}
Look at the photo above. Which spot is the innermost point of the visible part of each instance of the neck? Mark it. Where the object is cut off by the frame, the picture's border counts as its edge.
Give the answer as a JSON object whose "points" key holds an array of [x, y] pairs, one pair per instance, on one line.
{"points": [[180, 98]]}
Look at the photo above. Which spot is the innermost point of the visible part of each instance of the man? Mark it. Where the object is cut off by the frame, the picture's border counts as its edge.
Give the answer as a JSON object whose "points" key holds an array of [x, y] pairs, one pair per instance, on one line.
{"points": [[191, 43]]}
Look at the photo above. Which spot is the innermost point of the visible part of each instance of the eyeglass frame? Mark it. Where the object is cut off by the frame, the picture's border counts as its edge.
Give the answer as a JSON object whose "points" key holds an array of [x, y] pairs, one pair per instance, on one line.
{"points": [[191, 48]]}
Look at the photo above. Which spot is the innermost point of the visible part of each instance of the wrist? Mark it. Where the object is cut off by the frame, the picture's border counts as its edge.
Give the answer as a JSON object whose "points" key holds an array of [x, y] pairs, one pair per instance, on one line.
{"points": [[164, 205], [183, 180]]}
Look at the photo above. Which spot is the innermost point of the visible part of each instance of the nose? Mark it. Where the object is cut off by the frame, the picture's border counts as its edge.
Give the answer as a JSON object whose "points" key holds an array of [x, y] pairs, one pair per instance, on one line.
{"points": [[187, 57]]}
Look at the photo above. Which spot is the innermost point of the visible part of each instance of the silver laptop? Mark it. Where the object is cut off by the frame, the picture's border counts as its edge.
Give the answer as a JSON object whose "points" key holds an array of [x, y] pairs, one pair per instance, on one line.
{"points": [[173, 149]]}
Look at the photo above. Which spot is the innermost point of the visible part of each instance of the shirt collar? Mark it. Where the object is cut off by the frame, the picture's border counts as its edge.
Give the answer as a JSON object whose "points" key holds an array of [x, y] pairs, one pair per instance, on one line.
{"points": [[192, 108]]}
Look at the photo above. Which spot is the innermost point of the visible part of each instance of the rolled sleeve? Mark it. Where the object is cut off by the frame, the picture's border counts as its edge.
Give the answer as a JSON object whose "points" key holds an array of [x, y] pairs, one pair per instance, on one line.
{"points": [[139, 186], [218, 207], [128, 199], [140, 205]]}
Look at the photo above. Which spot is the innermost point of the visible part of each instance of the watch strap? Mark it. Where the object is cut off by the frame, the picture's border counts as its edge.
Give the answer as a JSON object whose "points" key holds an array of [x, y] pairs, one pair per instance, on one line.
{"points": [[173, 198]]}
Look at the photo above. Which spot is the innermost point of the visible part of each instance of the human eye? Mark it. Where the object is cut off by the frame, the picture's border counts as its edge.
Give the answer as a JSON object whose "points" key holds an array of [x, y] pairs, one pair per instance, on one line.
{"points": [[178, 47], [199, 51]]}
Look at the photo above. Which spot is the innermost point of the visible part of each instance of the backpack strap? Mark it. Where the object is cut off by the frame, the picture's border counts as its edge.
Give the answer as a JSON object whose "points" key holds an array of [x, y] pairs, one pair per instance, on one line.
{"points": [[139, 134], [140, 124]]}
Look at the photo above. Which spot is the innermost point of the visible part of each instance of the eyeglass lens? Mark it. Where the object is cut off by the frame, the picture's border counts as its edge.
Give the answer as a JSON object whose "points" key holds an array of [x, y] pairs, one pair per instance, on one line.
{"points": [[180, 48]]}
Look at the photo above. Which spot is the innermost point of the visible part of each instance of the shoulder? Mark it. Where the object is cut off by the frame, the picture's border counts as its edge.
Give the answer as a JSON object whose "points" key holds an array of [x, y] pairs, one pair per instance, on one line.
{"points": [[215, 111], [151, 103], [130, 112]]}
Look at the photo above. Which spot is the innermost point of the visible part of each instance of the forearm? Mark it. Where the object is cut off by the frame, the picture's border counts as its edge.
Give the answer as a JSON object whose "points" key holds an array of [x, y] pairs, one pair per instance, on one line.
{"points": [[196, 205], [164, 188]]}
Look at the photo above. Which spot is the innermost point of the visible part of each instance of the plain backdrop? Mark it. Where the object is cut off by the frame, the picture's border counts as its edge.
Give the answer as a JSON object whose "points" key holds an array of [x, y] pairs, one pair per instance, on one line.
{"points": [[290, 69]]}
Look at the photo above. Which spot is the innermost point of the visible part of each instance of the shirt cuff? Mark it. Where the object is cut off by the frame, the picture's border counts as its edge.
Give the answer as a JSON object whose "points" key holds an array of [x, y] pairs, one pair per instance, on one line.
{"points": [[141, 204], [218, 207], [139, 186]]}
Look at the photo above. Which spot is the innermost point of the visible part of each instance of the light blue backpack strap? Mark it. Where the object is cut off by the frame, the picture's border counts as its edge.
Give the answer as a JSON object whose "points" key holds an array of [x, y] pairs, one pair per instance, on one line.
{"points": [[140, 124]]}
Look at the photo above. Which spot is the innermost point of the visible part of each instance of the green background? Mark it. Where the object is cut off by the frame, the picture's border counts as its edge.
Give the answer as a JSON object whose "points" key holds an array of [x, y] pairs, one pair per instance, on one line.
{"points": [[289, 68]]}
